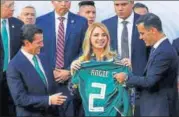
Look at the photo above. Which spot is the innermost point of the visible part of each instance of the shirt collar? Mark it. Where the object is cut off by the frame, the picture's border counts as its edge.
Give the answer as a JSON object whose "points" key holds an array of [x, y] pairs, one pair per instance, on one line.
{"points": [[4, 19], [129, 19], [57, 16], [28, 55], [159, 42]]}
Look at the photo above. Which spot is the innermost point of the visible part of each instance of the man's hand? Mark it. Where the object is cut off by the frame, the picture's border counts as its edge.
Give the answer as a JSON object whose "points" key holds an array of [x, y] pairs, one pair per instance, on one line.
{"points": [[57, 99], [61, 75], [121, 77]]}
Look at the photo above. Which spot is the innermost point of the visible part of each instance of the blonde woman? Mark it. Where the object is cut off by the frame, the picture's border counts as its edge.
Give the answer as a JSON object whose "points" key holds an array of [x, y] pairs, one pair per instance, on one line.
{"points": [[95, 70]]}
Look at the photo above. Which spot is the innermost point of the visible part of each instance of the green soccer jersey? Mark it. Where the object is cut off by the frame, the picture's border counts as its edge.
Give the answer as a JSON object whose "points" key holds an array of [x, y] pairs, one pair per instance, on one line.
{"points": [[101, 94]]}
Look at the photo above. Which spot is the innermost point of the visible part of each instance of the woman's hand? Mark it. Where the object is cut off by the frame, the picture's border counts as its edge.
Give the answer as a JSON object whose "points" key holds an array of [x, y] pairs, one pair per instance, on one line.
{"points": [[76, 65]]}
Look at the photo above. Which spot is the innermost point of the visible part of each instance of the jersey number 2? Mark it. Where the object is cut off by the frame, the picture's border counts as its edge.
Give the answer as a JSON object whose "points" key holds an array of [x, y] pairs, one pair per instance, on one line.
{"points": [[97, 96]]}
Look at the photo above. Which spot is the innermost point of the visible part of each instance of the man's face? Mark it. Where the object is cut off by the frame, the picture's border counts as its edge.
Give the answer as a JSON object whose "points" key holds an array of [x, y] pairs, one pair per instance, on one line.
{"points": [[36, 45], [89, 12], [61, 7], [28, 15], [123, 8], [141, 11], [146, 35], [7, 9]]}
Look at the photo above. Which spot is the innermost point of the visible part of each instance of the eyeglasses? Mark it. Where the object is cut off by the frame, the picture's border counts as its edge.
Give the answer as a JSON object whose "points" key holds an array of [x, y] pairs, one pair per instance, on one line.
{"points": [[11, 5]]}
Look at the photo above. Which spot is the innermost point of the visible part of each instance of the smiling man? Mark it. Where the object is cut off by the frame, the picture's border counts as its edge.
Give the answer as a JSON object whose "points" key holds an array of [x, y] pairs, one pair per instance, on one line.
{"points": [[30, 79]]}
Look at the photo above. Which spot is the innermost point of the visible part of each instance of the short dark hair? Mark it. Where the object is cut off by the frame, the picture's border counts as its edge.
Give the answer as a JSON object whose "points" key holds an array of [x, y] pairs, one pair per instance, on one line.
{"points": [[28, 31], [83, 3], [140, 5], [150, 20]]}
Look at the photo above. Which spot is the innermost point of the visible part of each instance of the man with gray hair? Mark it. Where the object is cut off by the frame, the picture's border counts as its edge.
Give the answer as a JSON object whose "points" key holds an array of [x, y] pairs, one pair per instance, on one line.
{"points": [[28, 15], [10, 38]]}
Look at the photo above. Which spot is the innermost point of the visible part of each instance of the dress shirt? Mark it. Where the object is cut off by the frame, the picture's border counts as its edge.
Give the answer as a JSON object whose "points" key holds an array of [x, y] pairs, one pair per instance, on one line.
{"points": [[57, 22]]}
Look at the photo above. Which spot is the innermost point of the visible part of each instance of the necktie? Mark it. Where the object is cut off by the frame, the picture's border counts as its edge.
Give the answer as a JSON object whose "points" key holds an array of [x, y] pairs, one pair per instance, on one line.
{"points": [[37, 67], [152, 51], [5, 44], [60, 45], [124, 41]]}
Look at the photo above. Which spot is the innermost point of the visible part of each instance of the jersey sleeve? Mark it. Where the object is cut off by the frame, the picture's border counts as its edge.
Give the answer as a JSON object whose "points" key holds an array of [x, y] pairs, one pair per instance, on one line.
{"points": [[75, 79]]}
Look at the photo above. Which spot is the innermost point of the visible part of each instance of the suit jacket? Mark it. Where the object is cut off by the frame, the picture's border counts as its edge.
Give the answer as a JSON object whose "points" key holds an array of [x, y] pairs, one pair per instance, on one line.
{"points": [[76, 28], [1, 60], [1, 72], [159, 92], [139, 52], [176, 45], [30, 95]]}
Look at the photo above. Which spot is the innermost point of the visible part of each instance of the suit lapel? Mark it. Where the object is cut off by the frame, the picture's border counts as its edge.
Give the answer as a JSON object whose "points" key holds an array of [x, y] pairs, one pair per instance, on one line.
{"points": [[135, 34], [11, 35], [151, 58], [45, 68], [30, 68], [155, 53], [115, 31], [70, 26]]}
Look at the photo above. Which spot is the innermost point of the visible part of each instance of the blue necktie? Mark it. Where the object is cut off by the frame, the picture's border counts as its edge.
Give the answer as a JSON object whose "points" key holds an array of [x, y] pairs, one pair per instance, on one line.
{"points": [[152, 51], [37, 67], [5, 44]]}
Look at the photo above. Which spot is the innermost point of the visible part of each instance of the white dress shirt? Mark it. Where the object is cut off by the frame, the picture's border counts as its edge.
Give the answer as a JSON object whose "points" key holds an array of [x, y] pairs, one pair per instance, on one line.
{"points": [[8, 32], [156, 45], [130, 20], [57, 22]]}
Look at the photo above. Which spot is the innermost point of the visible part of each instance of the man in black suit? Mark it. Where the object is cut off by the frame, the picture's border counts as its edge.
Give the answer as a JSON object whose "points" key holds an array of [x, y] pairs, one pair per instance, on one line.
{"points": [[10, 38]]}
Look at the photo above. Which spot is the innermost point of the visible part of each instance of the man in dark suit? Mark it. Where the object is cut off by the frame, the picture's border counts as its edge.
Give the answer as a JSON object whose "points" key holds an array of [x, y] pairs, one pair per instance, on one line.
{"points": [[63, 37], [30, 79], [10, 38], [125, 39], [176, 46], [137, 51], [159, 81]]}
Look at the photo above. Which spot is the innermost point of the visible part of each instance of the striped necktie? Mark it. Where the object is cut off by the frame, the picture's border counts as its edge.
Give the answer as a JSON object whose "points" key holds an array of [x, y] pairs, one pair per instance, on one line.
{"points": [[5, 44], [60, 45]]}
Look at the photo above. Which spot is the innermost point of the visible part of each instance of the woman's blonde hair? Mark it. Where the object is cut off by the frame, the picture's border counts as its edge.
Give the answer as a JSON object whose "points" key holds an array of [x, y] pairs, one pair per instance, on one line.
{"points": [[87, 47]]}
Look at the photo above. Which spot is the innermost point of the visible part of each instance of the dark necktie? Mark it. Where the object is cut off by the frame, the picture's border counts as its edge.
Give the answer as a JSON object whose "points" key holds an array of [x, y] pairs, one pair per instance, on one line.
{"points": [[60, 45], [152, 51], [124, 41], [5, 44]]}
